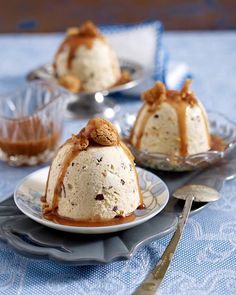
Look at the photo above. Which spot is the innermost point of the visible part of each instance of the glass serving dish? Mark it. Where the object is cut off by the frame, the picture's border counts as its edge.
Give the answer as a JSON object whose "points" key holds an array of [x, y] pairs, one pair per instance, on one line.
{"points": [[84, 105], [220, 126], [31, 122]]}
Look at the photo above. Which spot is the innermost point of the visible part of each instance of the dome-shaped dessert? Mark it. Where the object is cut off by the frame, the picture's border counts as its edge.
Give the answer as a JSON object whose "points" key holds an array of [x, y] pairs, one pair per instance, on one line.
{"points": [[92, 178], [86, 55], [171, 122]]}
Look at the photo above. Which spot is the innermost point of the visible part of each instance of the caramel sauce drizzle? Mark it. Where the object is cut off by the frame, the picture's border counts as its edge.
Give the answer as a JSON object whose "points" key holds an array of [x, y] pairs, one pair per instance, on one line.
{"points": [[180, 100], [43, 198], [73, 42], [74, 151], [92, 134], [145, 120], [87, 222], [78, 143], [66, 163], [76, 37], [217, 143]]}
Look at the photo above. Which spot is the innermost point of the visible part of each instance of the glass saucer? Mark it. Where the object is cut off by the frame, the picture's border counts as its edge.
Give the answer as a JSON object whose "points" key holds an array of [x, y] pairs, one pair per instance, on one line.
{"points": [[220, 126]]}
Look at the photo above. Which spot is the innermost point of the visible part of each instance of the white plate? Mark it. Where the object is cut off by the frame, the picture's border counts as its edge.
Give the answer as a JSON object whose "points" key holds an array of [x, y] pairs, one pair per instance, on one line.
{"points": [[28, 193]]}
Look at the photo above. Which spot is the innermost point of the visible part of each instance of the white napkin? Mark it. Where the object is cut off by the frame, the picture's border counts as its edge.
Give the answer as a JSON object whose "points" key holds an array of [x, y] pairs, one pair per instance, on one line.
{"points": [[142, 43], [176, 74], [139, 43]]}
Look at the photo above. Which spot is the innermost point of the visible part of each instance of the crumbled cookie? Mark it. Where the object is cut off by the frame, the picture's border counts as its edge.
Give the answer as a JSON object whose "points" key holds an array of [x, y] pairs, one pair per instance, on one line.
{"points": [[158, 93], [89, 29], [152, 95], [72, 31], [70, 82], [80, 140], [102, 132], [83, 143], [98, 131]]}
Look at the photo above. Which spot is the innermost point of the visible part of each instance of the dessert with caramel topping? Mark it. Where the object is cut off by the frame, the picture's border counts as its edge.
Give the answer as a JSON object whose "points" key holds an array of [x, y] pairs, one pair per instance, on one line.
{"points": [[86, 55], [92, 180], [171, 122]]}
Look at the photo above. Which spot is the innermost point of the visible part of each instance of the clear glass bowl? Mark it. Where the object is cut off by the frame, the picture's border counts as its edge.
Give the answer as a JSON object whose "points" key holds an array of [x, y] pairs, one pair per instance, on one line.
{"points": [[220, 126], [31, 122]]}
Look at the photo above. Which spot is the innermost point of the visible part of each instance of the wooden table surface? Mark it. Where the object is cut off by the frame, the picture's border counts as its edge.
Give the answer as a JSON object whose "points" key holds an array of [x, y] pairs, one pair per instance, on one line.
{"points": [[57, 15]]}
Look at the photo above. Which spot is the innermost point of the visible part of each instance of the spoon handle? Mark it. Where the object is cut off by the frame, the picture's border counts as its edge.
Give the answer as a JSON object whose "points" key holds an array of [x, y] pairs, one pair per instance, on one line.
{"points": [[154, 279]]}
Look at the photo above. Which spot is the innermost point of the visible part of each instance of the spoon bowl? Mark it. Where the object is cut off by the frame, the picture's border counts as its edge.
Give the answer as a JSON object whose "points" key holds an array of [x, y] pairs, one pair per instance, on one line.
{"points": [[200, 193]]}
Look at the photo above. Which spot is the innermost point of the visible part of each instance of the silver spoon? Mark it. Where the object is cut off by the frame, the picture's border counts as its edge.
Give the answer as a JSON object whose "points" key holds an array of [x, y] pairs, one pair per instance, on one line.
{"points": [[189, 193]]}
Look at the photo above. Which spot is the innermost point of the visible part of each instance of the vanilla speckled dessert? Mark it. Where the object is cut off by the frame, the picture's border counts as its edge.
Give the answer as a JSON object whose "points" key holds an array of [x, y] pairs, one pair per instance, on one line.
{"points": [[85, 61], [171, 122], [92, 180]]}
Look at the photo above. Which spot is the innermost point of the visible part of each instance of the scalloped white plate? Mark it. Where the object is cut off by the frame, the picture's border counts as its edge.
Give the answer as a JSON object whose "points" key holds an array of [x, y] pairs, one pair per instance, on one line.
{"points": [[28, 193]]}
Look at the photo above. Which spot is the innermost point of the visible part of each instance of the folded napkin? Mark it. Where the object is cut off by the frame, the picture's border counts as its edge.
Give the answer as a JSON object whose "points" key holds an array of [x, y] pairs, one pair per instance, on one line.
{"points": [[175, 74], [143, 43]]}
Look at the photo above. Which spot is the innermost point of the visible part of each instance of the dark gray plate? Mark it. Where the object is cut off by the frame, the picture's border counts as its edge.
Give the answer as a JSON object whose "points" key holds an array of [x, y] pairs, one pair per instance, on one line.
{"points": [[34, 240]]}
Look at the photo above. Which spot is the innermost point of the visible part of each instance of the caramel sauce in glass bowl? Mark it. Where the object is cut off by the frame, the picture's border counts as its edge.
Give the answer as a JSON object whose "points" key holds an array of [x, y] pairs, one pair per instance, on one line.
{"points": [[27, 141], [31, 123]]}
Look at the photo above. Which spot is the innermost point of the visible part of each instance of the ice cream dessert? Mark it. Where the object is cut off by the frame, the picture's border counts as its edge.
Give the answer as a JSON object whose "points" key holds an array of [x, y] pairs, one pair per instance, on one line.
{"points": [[171, 122], [85, 61], [92, 179]]}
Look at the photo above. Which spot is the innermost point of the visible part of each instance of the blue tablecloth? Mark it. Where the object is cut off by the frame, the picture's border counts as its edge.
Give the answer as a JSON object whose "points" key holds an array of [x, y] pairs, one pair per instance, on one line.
{"points": [[205, 262]]}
